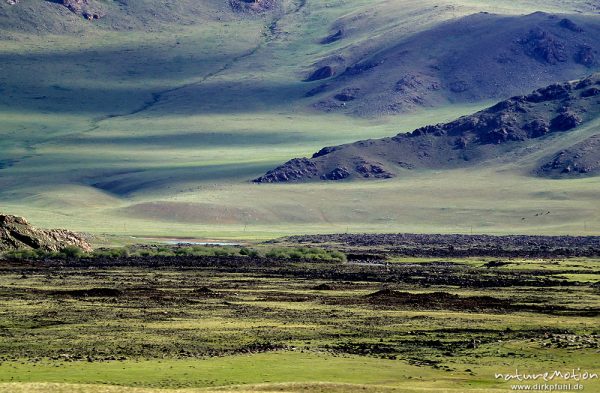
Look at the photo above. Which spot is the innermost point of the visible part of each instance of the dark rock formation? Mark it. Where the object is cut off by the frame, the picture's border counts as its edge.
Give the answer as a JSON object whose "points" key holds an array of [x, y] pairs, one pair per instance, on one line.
{"points": [[320, 73], [544, 46], [296, 169], [332, 38], [16, 233], [254, 6], [585, 56], [346, 95], [83, 8], [361, 67], [569, 24], [565, 121], [336, 174], [581, 159], [372, 170], [591, 92], [317, 90]]}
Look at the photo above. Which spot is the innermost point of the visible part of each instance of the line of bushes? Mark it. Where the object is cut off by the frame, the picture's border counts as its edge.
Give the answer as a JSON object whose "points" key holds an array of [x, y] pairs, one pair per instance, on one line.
{"points": [[72, 252], [306, 254]]}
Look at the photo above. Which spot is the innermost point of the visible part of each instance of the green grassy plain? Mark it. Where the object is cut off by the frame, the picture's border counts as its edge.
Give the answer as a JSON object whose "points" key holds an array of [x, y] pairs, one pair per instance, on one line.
{"points": [[158, 130], [216, 329]]}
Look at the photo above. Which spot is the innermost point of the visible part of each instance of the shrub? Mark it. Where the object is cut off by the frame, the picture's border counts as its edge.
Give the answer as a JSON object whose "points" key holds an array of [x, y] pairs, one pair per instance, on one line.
{"points": [[72, 252], [306, 254], [249, 252], [21, 255]]}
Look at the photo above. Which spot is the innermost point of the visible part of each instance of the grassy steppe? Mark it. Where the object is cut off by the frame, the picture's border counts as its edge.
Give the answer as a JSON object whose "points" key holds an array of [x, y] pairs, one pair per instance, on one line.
{"points": [[267, 327]]}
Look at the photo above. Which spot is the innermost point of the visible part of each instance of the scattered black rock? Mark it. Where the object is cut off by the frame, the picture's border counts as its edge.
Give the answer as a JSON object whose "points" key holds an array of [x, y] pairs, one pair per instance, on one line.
{"points": [[321, 73], [491, 264], [93, 292], [317, 90], [295, 169], [537, 128], [586, 56], [556, 91], [323, 287], [84, 8], [565, 121], [254, 6], [205, 292], [459, 86], [457, 246], [569, 24], [336, 174], [346, 95], [592, 92], [338, 35], [324, 151], [581, 159], [373, 170], [413, 81], [359, 68], [544, 46], [435, 300]]}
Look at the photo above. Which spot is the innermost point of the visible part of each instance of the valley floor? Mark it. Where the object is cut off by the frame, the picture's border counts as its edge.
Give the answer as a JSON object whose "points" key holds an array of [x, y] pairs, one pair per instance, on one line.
{"points": [[256, 324]]}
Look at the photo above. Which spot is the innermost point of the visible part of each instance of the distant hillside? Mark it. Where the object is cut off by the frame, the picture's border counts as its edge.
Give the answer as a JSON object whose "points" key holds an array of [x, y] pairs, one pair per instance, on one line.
{"points": [[64, 16], [467, 141], [473, 58]]}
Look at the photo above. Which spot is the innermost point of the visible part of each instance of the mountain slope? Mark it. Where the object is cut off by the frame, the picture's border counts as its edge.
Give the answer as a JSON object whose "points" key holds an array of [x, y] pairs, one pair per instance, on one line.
{"points": [[75, 16], [463, 142], [473, 58], [581, 159]]}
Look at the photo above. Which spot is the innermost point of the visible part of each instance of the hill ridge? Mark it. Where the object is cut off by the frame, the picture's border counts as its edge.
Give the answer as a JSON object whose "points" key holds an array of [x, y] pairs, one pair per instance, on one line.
{"points": [[556, 108]]}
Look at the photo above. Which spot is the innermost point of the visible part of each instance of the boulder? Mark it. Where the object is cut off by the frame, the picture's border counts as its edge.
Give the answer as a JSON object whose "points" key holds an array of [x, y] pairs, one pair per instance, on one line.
{"points": [[16, 234]]}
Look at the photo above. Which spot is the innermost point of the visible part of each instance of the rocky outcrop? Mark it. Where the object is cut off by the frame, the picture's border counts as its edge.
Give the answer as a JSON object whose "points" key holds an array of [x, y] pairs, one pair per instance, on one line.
{"points": [[296, 169], [254, 6], [545, 46], [338, 35], [16, 233], [320, 73], [83, 8], [557, 108], [581, 159]]}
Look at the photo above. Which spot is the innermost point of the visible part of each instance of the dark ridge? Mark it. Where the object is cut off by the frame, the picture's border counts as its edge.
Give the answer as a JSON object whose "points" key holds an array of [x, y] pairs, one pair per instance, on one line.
{"points": [[557, 108]]}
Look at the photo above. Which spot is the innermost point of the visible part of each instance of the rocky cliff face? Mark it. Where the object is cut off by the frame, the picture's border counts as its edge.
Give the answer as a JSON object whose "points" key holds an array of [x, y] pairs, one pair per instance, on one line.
{"points": [[16, 233], [83, 8]]}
